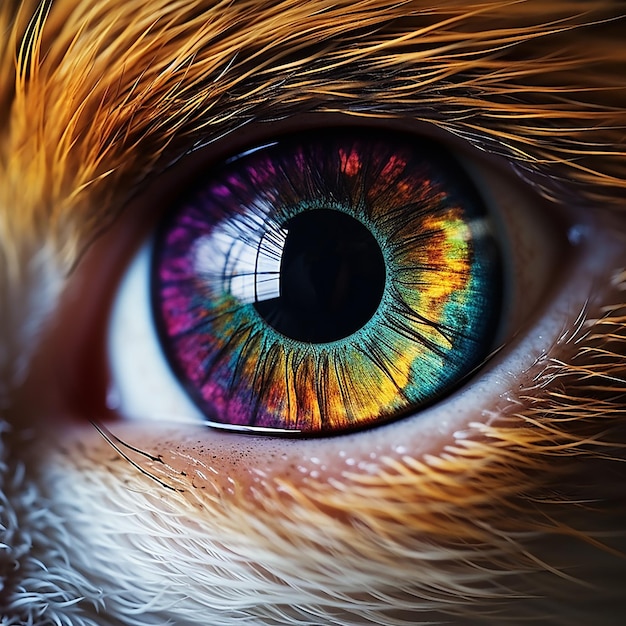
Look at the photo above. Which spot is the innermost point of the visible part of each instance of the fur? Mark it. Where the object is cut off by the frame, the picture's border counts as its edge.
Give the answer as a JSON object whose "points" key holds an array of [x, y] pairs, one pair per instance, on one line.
{"points": [[522, 520]]}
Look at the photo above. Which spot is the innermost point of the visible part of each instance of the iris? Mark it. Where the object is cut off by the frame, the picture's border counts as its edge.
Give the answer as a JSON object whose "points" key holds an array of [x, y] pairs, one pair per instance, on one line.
{"points": [[327, 281]]}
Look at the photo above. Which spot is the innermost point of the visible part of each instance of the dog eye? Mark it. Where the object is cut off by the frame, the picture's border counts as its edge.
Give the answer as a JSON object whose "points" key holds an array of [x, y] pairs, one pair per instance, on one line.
{"points": [[331, 280]]}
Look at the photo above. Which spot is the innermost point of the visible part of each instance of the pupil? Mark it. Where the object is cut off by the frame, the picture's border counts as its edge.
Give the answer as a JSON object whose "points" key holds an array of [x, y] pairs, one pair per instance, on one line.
{"points": [[332, 278]]}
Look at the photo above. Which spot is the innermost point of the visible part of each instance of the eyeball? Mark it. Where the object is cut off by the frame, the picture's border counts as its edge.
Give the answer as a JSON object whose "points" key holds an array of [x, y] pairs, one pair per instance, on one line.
{"points": [[323, 282]]}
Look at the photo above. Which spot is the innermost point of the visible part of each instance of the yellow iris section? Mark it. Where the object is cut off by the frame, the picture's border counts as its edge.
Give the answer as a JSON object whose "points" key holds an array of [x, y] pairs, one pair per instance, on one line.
{"points": [[444, 268]]}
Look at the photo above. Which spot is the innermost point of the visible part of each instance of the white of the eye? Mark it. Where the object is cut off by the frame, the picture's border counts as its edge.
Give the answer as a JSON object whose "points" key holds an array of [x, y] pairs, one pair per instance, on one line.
{"points": [[142, 382]]}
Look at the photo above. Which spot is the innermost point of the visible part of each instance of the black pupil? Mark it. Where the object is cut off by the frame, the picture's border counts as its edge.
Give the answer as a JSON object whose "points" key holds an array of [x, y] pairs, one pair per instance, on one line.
{"points": [[332, 278]]}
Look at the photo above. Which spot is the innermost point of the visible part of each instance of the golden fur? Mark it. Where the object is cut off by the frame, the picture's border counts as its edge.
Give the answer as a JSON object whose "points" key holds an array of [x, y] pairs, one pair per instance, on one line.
{"points": [[523, 519]]}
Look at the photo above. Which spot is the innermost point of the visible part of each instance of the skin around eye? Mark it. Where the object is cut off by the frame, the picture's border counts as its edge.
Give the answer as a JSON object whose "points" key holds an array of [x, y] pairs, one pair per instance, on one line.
{"points": [[492, 506], [141, 383]]}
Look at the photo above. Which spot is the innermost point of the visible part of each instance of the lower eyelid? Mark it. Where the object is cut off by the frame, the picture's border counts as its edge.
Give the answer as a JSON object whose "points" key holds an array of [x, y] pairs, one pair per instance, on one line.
{"points": [[213, 458]]}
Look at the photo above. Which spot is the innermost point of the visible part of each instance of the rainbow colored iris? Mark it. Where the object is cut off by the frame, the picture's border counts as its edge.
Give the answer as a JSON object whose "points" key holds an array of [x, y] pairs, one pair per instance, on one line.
{"points": [[327, 282]]}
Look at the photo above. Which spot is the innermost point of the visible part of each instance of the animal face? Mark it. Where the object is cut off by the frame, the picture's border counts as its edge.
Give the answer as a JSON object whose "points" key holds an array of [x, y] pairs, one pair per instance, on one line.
{"points": [[502, 502]]}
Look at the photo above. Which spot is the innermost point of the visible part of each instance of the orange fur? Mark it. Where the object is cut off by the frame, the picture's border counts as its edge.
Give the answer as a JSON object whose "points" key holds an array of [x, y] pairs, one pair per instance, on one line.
{"points": [[522, 519]]}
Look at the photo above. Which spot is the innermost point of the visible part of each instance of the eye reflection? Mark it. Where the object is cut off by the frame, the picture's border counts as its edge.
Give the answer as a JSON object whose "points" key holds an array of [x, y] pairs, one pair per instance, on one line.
{"points": [[251, 350]]}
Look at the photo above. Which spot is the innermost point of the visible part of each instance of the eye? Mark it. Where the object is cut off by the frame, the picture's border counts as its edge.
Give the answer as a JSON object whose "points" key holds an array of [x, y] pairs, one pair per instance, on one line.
{"points": [[325, 281]]}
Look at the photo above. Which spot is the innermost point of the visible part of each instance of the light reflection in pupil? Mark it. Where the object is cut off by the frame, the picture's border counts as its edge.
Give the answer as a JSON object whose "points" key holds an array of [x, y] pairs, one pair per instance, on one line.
{"points": [[332, 278]]}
